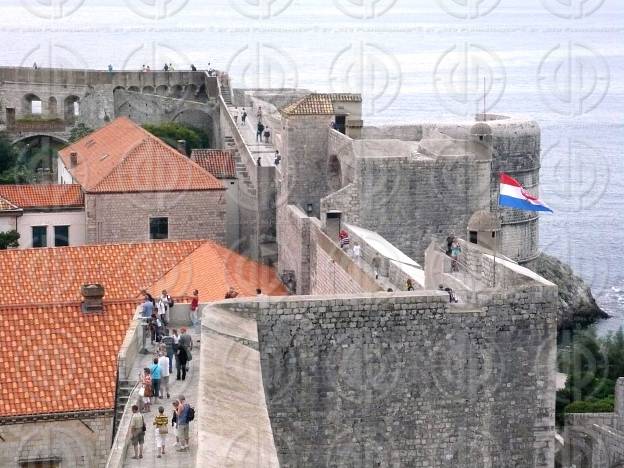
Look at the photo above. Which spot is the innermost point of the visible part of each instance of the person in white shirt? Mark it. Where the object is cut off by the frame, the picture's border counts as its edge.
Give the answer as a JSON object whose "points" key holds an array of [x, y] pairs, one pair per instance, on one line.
{"points": [[234, 113], [164, 302], [163, 363]]}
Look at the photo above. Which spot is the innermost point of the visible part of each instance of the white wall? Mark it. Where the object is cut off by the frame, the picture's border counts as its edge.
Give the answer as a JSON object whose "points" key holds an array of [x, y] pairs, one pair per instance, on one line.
{"points": [[7, 223], [74, 219], [64, 177]]}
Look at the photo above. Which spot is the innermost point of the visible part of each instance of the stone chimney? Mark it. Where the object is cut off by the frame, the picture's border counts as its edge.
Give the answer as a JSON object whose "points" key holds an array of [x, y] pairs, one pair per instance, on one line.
{"points": [[181, 146], [73, 159], [92, 295]]}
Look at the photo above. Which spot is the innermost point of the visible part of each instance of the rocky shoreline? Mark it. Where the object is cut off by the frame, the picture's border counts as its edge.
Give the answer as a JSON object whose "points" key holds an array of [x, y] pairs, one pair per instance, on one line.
{"points": [[577, 306]]}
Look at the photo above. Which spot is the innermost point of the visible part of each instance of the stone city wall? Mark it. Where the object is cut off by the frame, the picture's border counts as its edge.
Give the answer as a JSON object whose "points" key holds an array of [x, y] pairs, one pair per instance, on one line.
{"points": [[82, 442], [192, 215], [404, 379]]}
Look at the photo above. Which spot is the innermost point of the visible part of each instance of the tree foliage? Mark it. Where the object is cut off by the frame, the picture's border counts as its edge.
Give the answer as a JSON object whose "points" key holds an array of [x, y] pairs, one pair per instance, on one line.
{"points": [[9, 239], [171, 132], [593, 364], [79, 131], [8, 154]]}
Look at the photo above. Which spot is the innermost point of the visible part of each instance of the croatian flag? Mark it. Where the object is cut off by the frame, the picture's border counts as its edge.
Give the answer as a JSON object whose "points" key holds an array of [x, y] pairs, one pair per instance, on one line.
{"points": [[514, 195]]}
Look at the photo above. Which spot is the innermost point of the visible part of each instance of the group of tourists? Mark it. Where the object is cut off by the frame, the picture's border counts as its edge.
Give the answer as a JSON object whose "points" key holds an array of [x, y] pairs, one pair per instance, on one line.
{"points": [[181, 416]]}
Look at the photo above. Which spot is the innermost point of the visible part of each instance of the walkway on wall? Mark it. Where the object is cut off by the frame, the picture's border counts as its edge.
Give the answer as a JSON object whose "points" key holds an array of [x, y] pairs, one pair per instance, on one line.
{"points": [[188, 388], [258, 149]]}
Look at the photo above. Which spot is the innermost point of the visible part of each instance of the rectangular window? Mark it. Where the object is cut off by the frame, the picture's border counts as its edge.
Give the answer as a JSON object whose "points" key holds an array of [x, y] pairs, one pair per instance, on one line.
{"points": [[61, 236], [40, 236], [159, 228]]}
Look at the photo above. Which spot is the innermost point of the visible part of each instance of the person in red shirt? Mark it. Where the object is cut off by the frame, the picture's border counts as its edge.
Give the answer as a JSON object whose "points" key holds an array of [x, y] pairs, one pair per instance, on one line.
{"points": [[194, 307]]}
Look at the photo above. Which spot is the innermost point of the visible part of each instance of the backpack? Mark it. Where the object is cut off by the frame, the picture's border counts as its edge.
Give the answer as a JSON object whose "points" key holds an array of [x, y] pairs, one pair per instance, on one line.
{"points": [[170, 301], [191, 413]]}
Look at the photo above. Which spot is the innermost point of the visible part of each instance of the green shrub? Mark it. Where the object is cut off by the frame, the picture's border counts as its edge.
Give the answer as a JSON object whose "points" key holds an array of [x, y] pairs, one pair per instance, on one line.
{"points": [[594, 406]]}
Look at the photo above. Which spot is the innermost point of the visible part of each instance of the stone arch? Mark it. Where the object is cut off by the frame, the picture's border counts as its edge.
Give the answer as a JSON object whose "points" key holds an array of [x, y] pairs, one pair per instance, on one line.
{"points": [[134, 89], [52, 107], [162, 90], [148, 90], [334, 173], [199, 119], [31, 104], [177, 91], [118, 88], [72, 108], [39, 152]]}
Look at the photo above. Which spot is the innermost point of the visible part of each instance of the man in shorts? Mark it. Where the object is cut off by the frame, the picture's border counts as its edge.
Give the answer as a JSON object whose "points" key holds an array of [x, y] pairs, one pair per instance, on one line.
{"points": [[183, 424], [137, 435]]}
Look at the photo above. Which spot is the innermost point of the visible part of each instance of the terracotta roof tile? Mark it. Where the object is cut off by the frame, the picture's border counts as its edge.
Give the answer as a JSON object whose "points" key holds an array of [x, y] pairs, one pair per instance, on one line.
{"points": [[220, 163], [56, 362], [47, 275], [6, 205], [319, 104], [43, 196], [123, 157], [212, 269], [66, 358]]}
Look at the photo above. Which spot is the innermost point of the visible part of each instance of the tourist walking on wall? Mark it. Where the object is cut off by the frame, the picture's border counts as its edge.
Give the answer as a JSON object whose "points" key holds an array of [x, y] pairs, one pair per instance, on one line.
{"points": [[137, 432], [147, 390], [235, 115], [259, 114], [259, 130], [344, 239], [174, 422], [231, 294], [185, 415], [165, 366], [193, 67], [195, 307], [155, 374], [162, 429], [267, 135], [168, 344], [147, 307], [244, 118], [166, 67], [278, 158], [183, 355], [409, 285], [455, 252]]}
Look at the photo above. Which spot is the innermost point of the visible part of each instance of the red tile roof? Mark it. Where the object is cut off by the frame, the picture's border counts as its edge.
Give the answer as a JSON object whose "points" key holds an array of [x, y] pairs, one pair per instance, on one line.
{"points": [[319, 104], [123, 157], [6, 205], [57, 359], [55, 274], [43, 196], [220, 163], [212, 269]]}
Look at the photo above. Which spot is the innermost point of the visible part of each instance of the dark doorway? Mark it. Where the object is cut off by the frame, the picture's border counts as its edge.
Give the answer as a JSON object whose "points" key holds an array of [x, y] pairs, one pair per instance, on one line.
{"points": [[341, 123]]}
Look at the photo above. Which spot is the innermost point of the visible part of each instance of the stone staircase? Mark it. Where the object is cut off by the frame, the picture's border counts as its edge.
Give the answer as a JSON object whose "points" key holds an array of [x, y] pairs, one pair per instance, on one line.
{"points": [[124, 389], [241, 169], [226, 92]]}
